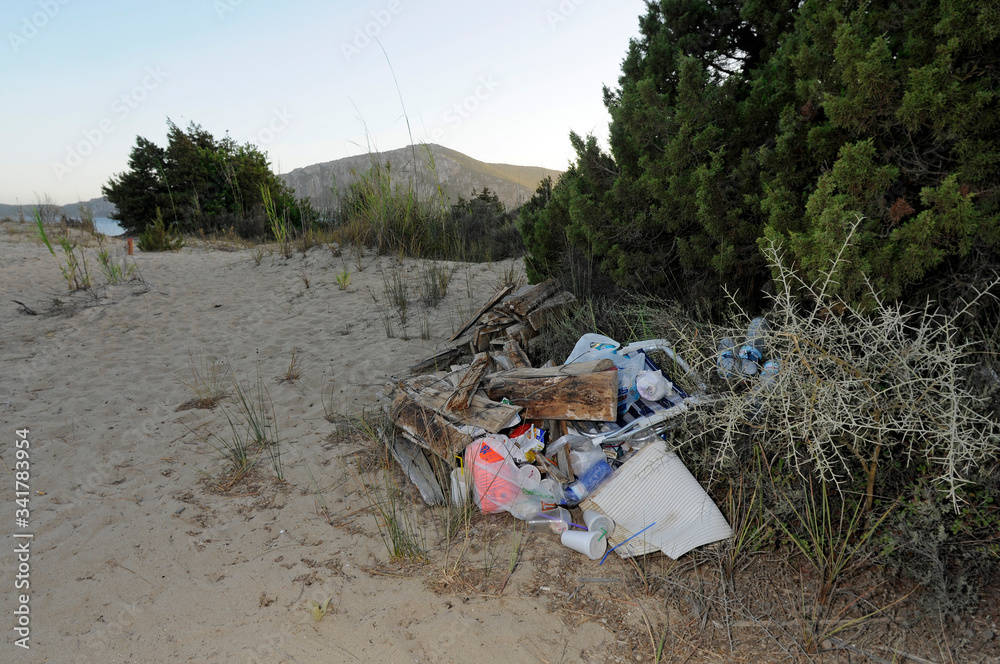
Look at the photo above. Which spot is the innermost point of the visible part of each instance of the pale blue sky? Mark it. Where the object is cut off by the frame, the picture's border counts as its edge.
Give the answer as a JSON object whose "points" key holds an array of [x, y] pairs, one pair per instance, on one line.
{"points": [[501, 82]]}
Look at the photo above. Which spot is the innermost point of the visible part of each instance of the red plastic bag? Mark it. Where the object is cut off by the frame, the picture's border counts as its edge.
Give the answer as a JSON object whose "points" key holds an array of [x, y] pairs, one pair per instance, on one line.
{"points": [[496, 479]]}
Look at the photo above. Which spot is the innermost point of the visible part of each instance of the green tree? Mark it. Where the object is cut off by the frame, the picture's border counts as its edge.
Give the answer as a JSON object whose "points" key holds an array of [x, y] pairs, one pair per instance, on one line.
{"points": [[200, 183], [740, 124]]}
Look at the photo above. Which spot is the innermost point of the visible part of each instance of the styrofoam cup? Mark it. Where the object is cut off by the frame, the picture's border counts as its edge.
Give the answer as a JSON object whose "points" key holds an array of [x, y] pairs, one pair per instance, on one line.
{"points": [[590, 543], [531, 473], [598, 522], [459, 487]]}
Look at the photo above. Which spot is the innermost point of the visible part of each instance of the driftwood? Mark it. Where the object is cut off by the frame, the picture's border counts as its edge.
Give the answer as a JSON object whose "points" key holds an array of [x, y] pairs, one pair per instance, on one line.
{"points": [[506, 316], [429, 429], [501, 294], [440, 361], [413, 462], [579, 391], [513, 352], [482, 413], [549, 309], [525, 303], [462, 396]]}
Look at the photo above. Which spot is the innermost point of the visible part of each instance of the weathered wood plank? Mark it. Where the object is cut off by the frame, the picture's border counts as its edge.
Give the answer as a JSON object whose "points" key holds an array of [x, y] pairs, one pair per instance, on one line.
{"points": [[520, 332], [518, 358], [492, 302], [430, 429], [572, 369], [482, 412], [560, 393], [547, 310], [529, 301], [462, 396], [413, 462], [441, 360]]}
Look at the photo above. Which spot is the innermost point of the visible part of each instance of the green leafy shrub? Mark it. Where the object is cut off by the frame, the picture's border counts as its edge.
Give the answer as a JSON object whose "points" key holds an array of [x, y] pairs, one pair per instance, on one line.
{"points": [[157, 237]]}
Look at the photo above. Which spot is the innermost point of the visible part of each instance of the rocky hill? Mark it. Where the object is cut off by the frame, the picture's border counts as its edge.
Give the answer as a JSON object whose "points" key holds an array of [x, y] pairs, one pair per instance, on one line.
{"points": [[456, 173]]}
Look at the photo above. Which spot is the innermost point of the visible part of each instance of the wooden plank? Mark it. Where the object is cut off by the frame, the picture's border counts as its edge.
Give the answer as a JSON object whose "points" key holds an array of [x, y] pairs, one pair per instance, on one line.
{"points": [[547, 310], [529, 301], [429, 429], [561, 393], [482, 413], [462, 396], [572, 369], [494, 317], [520, 332], [500, 294], [518, 358], [413, 462], [483, 335], [439, 361]]}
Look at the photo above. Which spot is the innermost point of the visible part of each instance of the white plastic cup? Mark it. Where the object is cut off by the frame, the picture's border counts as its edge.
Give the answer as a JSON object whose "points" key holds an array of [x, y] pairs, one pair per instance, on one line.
{"points": [[549, 521], [531, 473], [459, 487], [597, 522], [592, 544]]}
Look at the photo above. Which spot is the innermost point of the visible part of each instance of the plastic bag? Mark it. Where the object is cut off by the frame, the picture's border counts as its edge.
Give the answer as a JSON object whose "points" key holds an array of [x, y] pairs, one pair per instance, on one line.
{"points": [[498, 483], [593, 347]]}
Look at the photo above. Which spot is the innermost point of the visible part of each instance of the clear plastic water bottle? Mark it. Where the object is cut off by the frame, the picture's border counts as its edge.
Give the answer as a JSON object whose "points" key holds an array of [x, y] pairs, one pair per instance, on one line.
{"points": [[728, 364], [769, 372], [757, 333], [752, 352]]}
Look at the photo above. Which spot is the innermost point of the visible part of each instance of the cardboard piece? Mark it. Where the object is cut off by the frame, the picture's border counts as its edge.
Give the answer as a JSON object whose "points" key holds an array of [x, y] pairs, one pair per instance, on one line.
{"points": [[654, 487]]}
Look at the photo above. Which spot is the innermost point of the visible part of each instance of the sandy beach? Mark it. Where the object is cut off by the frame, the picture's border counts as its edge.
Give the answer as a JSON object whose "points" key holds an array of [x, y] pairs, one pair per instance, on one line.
{"points": [[132, 543], [137, 556]]}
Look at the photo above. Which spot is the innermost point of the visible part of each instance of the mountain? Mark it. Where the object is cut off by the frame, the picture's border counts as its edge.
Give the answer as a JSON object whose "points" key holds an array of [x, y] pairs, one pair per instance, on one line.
{"points": [[99, 206], [456, 173]]}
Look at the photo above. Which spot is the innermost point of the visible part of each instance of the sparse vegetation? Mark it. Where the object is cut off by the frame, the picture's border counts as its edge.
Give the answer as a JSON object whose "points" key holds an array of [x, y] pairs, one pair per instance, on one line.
{"points": [[73, 265], [115, 268]]}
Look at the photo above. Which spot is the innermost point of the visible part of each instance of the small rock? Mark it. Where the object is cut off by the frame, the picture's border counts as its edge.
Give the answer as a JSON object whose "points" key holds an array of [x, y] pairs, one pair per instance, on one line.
{"points": [[827, 644]]}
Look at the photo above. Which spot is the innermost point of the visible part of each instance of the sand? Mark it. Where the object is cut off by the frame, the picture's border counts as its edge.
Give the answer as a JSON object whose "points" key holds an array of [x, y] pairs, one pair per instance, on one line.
{"points": [[135, 554]]}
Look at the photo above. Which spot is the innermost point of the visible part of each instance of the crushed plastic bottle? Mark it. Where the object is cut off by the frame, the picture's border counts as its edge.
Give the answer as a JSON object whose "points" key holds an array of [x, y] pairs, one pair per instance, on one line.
{"points": [[728, 364]]}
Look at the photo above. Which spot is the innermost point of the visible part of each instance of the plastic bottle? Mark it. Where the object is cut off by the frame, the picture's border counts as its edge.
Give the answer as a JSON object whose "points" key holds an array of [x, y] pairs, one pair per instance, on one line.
{"points": [[757, 333], [728, 365], [769, 372], [752, 352], [587, 482]]}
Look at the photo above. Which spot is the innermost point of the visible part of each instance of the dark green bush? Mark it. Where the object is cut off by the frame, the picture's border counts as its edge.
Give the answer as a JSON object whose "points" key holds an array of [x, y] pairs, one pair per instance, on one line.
{"points": [[156, 236]]}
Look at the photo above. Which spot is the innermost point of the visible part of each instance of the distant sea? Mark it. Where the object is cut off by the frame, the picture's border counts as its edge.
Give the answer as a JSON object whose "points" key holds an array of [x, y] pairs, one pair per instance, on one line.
{"points": [[108, 226]]}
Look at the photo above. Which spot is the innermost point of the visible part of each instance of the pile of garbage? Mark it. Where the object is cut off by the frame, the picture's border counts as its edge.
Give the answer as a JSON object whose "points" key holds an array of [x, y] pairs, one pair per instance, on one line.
{"points": [[539, 442]]}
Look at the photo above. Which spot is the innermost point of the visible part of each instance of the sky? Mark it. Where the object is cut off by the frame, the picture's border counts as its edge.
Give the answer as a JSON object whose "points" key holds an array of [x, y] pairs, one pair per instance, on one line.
{"points": [[304, 80]]}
